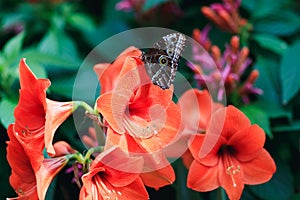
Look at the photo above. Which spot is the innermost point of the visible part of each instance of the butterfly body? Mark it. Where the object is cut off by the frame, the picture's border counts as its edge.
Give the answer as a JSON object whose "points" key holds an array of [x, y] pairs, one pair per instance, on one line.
{"points": [[161, 61]]}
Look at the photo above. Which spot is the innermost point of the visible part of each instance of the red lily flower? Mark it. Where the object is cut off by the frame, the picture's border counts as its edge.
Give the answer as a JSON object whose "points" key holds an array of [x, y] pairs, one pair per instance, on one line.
{"points": [[36, 115], [22, 177], [237, 158], [114, 175], [196, 109], [31, 114], [141, 117]]}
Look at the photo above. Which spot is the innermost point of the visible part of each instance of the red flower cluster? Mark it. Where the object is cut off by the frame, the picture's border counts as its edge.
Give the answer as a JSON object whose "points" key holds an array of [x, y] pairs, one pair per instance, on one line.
{"points": [[142, 126]]}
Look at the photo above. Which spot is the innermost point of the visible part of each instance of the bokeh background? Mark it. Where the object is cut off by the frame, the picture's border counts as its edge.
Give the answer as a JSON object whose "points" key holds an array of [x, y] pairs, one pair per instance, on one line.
{"points": [[56, 35]]}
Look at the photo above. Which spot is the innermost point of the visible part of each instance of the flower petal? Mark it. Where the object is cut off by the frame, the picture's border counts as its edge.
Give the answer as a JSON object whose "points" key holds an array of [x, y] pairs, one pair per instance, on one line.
{"points": [[210, 159], [22, 177], [57, 113], [187, 159], [30, 111], [225, 122], [28, 80], [62, 148], [196, 108], [260, 169], [247, 143], [202, 178], [48, 170], [121, 169], [159, 178], [231, 178], [112, 106], [108, 73]]}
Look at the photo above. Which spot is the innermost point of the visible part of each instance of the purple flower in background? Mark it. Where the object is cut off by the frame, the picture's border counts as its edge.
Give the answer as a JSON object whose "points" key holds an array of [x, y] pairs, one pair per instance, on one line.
{"points": [[223, 78]]}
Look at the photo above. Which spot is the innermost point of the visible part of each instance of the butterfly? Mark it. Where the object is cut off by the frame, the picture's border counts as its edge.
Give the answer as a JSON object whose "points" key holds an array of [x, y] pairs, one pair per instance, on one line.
{"points": [[162, 59]]}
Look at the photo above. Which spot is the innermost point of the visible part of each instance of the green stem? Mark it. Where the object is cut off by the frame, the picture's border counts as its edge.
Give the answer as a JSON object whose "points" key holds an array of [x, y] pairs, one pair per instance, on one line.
{"points": [[98, 149], [99, 134], [76, 156], [86, 106]]}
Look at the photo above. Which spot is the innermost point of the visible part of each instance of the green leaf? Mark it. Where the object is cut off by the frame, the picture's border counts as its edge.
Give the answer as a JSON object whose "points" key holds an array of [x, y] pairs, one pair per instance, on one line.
{"points": [[270, 42], [150, 4], [108, 29], [7, 111], [263, 7], [289, 72], [273, 109], [295, 197], [280, 23], [259, 117], [293, 126], [13, 47], [269, 82], [63, 86], [81, 22], [56, 42], [46, 59]]}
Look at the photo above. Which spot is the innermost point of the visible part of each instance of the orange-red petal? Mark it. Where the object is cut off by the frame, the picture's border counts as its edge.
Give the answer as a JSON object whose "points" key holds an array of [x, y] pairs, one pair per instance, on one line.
{"points": [[22, 177], [30, 111], [260, 169], [247, 143], [48, 170], [196, 109], [113, 174], [159, 178], [231, 181], [108, 73], [62, 148], [202, 178], [57, 113], [225, 122]]}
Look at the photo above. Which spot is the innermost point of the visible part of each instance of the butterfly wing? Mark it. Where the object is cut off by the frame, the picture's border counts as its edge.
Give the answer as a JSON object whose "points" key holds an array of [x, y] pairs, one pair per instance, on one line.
{"points": [[161, 61]]}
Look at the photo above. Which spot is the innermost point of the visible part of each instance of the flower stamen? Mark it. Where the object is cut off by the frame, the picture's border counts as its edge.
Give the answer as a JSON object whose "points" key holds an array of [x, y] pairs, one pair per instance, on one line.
{"points": [[231, 170]]}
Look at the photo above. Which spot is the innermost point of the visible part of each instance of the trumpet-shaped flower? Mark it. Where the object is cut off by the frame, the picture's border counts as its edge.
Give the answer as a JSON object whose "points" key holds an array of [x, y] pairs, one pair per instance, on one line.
{"points": [[141, 117], [36, 119], [237, 158], [114, 175]]}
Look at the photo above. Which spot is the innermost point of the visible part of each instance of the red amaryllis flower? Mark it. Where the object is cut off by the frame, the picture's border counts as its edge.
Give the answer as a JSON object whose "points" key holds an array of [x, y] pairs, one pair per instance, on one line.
{"points": [[22, 177], [31, 114], [114, 175], [237, 158], [141, 117], [35, 115], [196, 108]]}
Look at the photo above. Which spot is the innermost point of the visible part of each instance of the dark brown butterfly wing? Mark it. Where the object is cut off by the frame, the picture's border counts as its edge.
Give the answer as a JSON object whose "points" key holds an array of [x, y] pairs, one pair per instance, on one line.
{"points": [[161, 61]]}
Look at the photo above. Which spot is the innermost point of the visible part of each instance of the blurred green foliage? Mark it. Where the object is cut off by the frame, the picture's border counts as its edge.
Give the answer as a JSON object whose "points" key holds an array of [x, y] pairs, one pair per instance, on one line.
{"points": [[56, 36]]}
